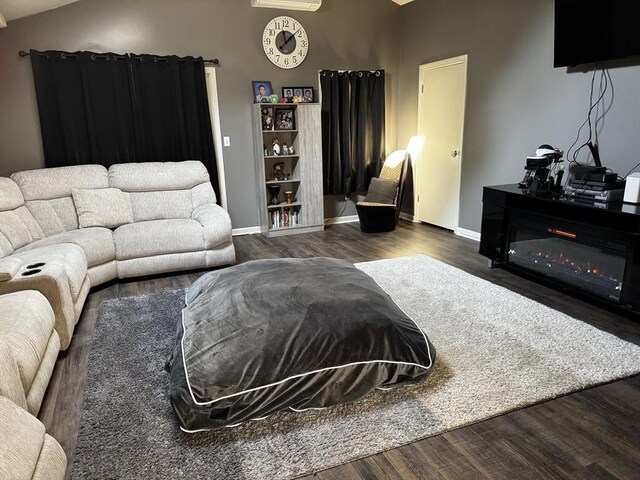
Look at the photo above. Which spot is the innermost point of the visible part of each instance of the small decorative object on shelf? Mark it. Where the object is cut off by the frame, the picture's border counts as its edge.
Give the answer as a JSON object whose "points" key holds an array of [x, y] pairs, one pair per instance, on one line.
{"points": [[291, 151], [275, 146], [289, 196], [274, 190], [261, 91], [298, 94], [273, 98], [285, 149], [287, 94], [284, 119], [267, 118], [278, 171]]}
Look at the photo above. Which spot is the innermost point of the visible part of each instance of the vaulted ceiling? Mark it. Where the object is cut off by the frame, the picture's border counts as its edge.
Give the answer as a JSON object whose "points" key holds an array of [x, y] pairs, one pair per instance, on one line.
{"points": [[13, 9]]}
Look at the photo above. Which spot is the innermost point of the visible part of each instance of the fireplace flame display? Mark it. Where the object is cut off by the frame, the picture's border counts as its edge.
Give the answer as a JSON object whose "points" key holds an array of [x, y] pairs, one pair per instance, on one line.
{"points": [[599, 272]]}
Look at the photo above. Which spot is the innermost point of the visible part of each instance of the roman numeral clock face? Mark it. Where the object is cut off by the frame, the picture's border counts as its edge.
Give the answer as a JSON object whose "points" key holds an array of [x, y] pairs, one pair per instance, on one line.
{"points": [[285, 42]]}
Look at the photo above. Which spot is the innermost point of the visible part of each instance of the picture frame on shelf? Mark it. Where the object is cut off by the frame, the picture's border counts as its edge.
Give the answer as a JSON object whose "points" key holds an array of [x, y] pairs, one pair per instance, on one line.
{"points": [[299, 94], [284, 119], [261, 91], [267, 118]]}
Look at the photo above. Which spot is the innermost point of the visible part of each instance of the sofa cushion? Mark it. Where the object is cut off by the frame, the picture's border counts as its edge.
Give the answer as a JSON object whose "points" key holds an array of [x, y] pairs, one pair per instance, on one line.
{"points": [[50, 183], [382, 191], [161, 205], [163, 190], [45, 216], [10, 195], [102, 207], [29, 222], [158, 237], [156, 176], [47, 193], [97, 243], [54, 216], [14, 230], [17, 228]]}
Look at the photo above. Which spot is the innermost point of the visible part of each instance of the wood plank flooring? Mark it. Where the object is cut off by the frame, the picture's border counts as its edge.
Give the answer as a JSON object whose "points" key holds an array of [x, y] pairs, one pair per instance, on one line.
{"points": [[592, 434]]}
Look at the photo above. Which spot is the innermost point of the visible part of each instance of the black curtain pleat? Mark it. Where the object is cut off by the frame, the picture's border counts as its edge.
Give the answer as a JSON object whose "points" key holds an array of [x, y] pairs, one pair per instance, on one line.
{"points": [[108, 108], [353, 129]]}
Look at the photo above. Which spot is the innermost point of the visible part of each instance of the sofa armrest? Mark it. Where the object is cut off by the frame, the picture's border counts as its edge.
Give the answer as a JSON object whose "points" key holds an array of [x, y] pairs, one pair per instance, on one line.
{"points": [[9, 267], [26, 451], [10, 385], [215, 222]]}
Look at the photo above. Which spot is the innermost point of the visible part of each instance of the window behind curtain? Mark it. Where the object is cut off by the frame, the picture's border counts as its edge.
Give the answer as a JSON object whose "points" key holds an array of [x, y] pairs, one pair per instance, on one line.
{"points": [[109, 108]]}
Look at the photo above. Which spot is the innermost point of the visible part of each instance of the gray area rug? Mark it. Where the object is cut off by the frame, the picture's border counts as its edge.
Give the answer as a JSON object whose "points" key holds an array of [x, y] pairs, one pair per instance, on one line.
{"points": [[497, 351]]}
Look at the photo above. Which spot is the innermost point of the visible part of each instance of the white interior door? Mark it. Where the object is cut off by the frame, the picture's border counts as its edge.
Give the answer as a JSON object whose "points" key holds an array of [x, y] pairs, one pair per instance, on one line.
{"points": [[441, 103]]}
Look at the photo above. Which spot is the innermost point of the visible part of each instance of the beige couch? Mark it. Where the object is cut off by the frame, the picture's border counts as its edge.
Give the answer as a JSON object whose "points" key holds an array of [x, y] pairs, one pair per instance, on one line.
{"points": [[131, 220], [64, 230]]}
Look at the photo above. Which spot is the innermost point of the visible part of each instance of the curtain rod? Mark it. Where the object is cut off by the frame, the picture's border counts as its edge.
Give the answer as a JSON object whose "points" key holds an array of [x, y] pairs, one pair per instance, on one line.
{"points": [[213, 61]]}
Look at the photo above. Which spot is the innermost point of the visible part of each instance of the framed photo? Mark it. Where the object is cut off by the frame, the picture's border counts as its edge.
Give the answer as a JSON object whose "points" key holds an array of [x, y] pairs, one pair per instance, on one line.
{"points": [[261, 91], [284, 119], [298, 94], [267, 118]]}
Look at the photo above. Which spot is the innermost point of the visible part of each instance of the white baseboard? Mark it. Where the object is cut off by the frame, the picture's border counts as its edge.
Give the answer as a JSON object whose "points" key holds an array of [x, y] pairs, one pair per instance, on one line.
{"points": [[470, 234], [407, 216], [345, 219], [245, 231]]}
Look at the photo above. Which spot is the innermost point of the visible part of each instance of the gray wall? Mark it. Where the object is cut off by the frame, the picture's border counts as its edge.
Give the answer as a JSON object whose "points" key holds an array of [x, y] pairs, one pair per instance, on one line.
{"points": [[344, 34], [516, 100]]}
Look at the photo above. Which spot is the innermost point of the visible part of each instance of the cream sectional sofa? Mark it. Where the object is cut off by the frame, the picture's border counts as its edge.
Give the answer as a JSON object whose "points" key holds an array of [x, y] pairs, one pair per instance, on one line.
{"points": [[65, 230], [176, 224], [130, 220]]}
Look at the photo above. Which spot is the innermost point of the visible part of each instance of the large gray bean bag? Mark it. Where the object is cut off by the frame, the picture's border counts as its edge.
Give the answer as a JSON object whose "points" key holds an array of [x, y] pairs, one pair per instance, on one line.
{"points": [[267, 335]]}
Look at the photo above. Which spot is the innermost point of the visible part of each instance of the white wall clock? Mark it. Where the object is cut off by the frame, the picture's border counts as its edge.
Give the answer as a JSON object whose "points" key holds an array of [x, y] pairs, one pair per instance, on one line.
{"points": [[285, 42]]}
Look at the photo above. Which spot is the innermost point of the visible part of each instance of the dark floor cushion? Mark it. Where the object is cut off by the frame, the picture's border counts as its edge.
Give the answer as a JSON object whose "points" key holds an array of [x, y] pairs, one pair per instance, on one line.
{"points": [[267, 335]]}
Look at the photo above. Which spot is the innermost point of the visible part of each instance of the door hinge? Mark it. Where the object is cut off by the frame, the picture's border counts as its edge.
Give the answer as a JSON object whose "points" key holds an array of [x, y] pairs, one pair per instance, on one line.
{"points": [[422, 88], [418, 198]]}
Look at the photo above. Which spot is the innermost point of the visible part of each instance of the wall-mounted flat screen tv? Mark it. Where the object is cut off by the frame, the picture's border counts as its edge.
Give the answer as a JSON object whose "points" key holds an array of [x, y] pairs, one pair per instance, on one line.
{"points": [[590, 31]]}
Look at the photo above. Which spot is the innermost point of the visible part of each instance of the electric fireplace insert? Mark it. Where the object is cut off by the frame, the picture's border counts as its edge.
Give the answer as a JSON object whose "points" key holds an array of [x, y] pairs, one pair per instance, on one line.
{"points": [[581, 246]]}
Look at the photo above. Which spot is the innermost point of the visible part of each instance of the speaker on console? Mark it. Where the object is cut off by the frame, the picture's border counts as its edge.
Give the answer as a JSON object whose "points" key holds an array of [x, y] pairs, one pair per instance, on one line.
{"points": [[632, 189]]}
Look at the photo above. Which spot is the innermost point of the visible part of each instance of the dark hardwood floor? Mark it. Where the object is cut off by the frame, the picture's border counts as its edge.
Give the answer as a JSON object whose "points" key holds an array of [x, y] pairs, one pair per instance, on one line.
{"points": [[592, 434]]}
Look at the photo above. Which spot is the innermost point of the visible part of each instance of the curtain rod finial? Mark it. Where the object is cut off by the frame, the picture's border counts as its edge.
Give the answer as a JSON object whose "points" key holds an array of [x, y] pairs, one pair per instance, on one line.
{"points": [[22, 53]]}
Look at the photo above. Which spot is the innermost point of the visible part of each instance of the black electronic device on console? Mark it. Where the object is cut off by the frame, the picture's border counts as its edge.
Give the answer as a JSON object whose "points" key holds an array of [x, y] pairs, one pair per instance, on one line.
{"points": [[538, 177], [594, 182]]}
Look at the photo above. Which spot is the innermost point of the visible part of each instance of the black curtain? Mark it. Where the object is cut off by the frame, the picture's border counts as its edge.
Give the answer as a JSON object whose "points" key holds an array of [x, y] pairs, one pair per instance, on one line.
{"points": [[353, 129], [109, 108]]}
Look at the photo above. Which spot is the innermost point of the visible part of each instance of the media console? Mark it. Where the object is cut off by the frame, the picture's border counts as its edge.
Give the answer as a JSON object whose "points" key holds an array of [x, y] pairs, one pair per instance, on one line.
{"points": [[586, 247]]}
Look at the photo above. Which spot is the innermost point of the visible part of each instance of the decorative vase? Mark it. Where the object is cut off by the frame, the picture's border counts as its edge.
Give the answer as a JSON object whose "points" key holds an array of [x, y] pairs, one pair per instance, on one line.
{"points": [[289, 196], [274, 190]]}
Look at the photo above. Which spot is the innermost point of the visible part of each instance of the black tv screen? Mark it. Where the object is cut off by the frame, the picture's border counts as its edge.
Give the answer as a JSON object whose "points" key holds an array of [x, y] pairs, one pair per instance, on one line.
{"points": [[590, 31]]}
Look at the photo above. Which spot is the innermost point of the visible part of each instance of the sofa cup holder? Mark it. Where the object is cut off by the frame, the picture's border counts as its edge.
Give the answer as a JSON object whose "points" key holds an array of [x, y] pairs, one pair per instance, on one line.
{"points": [[31, 272], [35, 265]]}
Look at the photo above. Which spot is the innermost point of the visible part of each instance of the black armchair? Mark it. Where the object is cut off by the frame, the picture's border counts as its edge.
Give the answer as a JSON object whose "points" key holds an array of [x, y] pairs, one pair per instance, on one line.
{"points": [[380, 209]]}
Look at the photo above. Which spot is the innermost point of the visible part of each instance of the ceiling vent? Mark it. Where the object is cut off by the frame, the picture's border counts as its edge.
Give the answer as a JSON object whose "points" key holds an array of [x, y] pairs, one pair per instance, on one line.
{"points": [[307, 5]]}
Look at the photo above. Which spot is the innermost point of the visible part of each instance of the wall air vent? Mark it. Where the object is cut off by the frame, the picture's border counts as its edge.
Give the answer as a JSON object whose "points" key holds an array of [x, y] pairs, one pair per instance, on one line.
{"points": [[307, 5]]}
